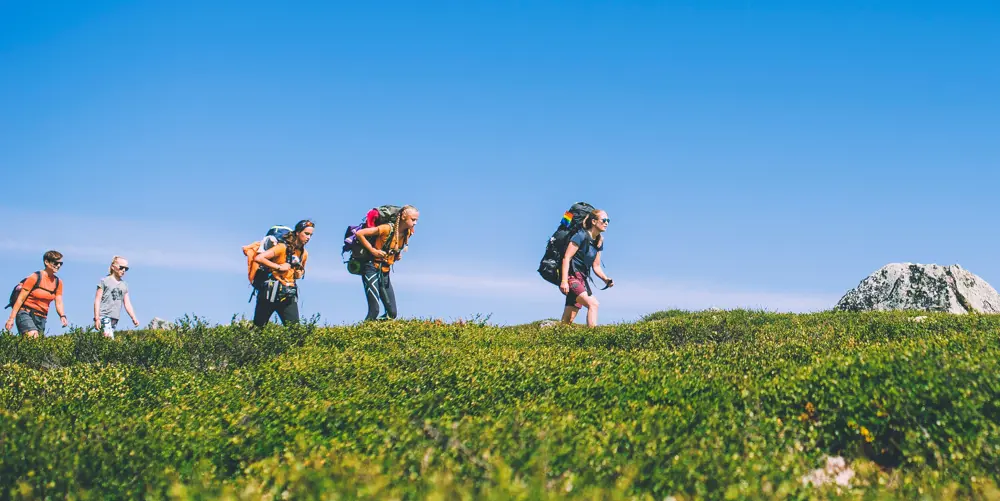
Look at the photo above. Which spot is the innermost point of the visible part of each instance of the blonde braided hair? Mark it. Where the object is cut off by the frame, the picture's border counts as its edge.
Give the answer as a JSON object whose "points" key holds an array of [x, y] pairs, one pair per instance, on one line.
{"points": [[399, 219]]}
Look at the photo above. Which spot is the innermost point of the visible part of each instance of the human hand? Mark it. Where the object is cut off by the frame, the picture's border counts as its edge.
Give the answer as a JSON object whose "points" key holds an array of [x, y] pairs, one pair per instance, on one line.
{"points": [[10, 323], [65, 322], [135, 321], [97, 324], [284, 267], [379, 254], [564, 287]]}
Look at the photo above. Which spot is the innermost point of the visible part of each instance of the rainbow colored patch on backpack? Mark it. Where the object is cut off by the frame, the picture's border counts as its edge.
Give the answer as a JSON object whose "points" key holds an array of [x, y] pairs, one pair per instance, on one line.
{"points": [[567, 219]]}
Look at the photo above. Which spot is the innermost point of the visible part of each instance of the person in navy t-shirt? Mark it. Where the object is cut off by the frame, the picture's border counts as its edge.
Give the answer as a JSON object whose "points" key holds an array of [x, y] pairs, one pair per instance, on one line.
{"points": [[583, 255]]}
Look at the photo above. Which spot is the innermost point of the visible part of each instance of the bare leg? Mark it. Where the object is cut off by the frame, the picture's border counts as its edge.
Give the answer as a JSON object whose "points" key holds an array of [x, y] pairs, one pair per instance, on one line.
{"points": [[569, 314], [591, 303]]}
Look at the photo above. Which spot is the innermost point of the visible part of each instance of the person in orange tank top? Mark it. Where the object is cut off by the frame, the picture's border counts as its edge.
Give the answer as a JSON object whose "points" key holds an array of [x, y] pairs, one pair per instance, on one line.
{"points": [[286, 263], [31, 308], [390, 241]]}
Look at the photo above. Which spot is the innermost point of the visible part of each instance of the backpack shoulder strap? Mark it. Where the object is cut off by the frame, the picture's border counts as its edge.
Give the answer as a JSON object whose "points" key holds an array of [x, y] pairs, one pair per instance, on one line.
{"points": [[388, 240], [38, 282]]}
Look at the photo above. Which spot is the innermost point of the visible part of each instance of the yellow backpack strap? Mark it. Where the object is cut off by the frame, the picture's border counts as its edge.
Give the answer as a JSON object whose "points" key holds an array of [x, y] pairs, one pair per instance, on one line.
{"points": [[388, 240]]}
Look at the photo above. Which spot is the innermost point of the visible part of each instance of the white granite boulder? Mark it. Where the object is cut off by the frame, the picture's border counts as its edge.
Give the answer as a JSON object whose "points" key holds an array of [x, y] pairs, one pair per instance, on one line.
{"points": [[926, 287], [158, 323]]}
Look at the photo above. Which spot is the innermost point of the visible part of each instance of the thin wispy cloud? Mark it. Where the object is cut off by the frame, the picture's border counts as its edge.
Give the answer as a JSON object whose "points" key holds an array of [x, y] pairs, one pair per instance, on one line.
{"points": [[160, 248]]}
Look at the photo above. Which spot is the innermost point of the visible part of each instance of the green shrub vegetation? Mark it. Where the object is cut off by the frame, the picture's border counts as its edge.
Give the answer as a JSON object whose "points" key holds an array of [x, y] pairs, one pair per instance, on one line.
{"points": [[689, 405]]}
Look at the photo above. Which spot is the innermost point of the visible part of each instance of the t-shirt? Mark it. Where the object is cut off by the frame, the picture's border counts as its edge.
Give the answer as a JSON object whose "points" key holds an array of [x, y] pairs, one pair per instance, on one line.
{"points": [[39, 299], [113, 296], [584, 258], [281, 257], [394, 249]]}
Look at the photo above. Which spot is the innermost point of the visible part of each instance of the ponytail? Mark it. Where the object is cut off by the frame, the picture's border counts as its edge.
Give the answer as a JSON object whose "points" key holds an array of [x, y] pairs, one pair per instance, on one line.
{"points": [[111, 267], [588, 222]]}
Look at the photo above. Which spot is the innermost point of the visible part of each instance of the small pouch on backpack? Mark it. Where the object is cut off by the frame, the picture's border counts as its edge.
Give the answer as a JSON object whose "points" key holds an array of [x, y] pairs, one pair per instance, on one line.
{"points": [[287, 293], [355, 267]]}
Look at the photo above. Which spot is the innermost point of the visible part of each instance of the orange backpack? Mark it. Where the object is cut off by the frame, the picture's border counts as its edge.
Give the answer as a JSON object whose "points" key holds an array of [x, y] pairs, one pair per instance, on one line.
{"points": [[250, 251], [273, 237]]}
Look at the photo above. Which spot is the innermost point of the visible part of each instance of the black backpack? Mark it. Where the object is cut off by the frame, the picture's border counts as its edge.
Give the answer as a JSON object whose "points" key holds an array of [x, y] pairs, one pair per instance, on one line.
{"points": [[20, 285], [551, 265]]}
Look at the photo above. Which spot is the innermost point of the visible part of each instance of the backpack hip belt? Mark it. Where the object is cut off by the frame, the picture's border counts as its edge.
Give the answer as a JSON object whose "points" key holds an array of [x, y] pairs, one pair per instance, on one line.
{"points": [[33, 311]]}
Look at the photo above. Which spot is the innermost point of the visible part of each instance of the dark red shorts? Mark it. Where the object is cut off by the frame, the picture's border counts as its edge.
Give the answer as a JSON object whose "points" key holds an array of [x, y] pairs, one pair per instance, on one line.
{"points": [[577, 285]]}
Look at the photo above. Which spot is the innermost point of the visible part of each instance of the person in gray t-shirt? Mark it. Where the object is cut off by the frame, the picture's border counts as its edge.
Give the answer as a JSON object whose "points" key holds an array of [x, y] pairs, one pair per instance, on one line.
{"points": [[112, 294]]}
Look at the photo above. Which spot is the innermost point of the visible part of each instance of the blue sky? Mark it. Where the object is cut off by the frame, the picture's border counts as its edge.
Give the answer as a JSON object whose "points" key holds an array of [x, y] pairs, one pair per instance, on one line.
{"points": [[756, 154]]}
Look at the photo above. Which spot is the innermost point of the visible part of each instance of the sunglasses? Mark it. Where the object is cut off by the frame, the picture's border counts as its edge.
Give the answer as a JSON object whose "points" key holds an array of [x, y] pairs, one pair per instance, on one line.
{"points": [[606, 220], [56, 263], [123, 268]]}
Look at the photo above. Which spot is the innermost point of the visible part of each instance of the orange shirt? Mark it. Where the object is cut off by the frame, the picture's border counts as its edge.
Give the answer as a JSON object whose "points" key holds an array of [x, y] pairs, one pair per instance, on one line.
{"points": [[39, 299], [281, 257], [395, 247]]}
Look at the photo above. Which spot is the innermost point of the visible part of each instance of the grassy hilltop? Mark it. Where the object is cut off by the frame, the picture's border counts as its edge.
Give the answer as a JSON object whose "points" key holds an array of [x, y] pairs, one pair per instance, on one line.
{"points": [[715, 405]]}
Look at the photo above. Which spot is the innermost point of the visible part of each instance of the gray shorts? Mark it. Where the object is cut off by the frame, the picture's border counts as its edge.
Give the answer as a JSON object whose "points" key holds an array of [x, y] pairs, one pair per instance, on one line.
{"points": [[28, 321]]}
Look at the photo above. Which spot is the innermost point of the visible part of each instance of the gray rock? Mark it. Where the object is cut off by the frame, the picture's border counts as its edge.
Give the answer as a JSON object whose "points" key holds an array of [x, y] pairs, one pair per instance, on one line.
{"points": [[158, 323], [548, 323], [926, 287]]}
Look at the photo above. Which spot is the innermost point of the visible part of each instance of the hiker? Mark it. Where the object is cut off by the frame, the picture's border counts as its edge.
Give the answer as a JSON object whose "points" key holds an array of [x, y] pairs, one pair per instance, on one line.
{"points": [[391, 240], [112, 294], [583, 254], [37, 291], [285, 263]]}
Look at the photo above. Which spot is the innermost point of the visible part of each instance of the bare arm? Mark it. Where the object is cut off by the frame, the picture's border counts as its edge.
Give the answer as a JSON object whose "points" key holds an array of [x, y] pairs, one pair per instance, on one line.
{"points": [[17, 307], [600, 271], [21, 298], [97, 307], [363, 238], [128, 309], [265, 260], [570, 252], [60, 310]]}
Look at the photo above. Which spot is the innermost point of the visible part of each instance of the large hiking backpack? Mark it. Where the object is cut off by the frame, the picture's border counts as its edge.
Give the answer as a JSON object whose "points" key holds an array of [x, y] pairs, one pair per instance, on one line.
{"points": [[550, 267], [20, 286], [376, 216], [255, 274]]}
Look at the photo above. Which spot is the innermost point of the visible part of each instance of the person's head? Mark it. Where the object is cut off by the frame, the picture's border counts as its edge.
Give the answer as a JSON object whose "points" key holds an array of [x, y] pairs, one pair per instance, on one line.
{"points": [[119, 266], [597, 219], [52, 260], [300, 236], [407, 218]]}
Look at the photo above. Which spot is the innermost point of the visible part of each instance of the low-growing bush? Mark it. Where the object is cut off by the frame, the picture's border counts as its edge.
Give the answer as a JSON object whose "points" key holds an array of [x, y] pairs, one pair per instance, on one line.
{"points": [[716, 404]]}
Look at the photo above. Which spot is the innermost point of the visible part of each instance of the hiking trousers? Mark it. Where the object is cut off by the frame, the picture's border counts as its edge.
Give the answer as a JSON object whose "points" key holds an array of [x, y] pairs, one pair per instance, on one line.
{"points": [[378, 288], [288, 311]]}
